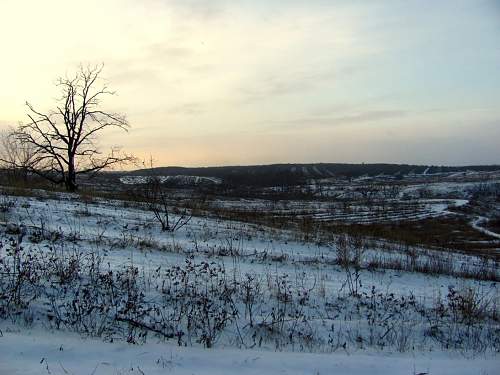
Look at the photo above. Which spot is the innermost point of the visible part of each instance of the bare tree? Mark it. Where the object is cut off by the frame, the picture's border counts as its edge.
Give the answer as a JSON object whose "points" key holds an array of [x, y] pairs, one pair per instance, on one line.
{"points": [[65, 139], [159, 204], [350, 251], [15, 156]]}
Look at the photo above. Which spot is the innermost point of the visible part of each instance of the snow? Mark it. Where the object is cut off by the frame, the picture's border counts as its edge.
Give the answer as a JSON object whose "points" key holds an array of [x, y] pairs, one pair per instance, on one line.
{"points": [[121, 230], [40, 352], [181, 179], [459, 189], [476, 224], [115, 226], [117, 231], [391, 210]]}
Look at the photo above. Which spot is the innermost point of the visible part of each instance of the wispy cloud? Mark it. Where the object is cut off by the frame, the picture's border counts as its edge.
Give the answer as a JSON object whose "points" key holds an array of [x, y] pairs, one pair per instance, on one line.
{"points": [[189, 109], [307, 70], [332, 121], [288, 83]]}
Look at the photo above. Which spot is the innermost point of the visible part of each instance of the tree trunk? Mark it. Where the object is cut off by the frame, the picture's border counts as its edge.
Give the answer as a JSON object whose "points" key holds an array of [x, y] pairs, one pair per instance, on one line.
{"points": [[70, 184], [70, 180]]}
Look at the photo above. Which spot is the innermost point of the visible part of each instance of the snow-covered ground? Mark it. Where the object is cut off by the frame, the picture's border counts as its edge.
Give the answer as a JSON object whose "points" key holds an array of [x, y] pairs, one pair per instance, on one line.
{"points": [[40, 352], [301, 277], [178, 179], [476, 224], [131, 233], [442, 189], [390, 210]]}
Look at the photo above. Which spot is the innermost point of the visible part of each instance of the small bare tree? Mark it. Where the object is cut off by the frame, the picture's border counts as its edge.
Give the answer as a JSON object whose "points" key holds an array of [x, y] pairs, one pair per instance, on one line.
{"points": [[350, 250], [15, 156], [65, 139], [159, 204]]}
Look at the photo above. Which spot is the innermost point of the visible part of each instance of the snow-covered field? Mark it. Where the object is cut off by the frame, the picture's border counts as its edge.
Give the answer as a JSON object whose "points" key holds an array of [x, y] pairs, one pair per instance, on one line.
{"points": [[261, 300], [377, 212], [366, 202], [179, 179], [41, 352]]}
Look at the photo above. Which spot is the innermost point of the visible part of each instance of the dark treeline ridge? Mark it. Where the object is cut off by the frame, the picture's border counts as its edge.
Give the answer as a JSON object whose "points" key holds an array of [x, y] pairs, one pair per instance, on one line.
{"points": [[287, 174]]}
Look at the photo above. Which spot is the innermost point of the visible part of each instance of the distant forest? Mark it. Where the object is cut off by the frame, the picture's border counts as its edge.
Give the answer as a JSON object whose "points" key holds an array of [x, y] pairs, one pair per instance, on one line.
{"points": [[287, 174]]}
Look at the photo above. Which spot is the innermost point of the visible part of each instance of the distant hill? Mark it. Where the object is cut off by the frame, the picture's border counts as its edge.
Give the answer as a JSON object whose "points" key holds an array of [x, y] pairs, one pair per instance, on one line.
{"points": [[286, 174]]}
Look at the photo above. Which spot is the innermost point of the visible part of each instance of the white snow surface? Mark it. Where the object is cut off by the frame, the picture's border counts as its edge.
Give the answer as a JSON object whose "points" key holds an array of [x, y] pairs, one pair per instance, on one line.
{"points": [[182, 179], [476, 224], [39, 352]]}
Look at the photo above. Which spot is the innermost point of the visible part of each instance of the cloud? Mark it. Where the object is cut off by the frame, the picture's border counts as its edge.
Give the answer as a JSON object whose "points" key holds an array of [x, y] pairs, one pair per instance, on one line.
{"points": [[330, 121], [198, 9], [293, 83], [189, 109], [245, 69], [166, 51]]}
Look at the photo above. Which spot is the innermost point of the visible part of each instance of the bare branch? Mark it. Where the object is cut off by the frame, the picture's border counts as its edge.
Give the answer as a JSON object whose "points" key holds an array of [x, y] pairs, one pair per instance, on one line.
{"points": [[64, 139]]}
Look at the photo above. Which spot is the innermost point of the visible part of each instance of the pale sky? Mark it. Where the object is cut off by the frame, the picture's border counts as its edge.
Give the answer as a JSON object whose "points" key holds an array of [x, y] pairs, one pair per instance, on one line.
{"points": [[255, 82]]}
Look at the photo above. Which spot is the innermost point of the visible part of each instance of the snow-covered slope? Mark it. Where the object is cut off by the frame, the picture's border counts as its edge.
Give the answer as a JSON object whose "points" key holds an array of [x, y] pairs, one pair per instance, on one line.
{"points": [[38, 352], [301, 299]]}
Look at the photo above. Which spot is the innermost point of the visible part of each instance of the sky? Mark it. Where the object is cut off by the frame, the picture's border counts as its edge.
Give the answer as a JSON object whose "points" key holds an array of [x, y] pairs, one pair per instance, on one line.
{"points": [[218, 82]]}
